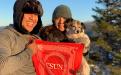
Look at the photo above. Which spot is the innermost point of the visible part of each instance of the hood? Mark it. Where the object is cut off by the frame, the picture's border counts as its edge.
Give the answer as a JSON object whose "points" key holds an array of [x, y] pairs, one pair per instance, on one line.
{"points": [[18, 12], [62, 11]]}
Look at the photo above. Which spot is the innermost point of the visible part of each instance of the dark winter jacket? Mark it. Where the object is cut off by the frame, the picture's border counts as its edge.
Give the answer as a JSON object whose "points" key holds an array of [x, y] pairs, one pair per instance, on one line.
{"points": [[15, 58], [51, 33]]}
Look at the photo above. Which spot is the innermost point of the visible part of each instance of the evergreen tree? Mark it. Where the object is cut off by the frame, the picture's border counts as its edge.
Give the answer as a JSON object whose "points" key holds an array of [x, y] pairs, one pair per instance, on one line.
{"points": [[108, 20], [111, 12]]}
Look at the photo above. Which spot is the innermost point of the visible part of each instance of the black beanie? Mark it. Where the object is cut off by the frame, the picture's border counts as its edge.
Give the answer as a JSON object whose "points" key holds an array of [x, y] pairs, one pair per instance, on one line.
{"points": [[62, 11]]}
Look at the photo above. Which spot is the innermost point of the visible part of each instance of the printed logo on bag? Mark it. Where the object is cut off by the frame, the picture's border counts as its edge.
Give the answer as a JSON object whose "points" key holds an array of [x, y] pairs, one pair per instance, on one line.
{"points": [[55, 66]]}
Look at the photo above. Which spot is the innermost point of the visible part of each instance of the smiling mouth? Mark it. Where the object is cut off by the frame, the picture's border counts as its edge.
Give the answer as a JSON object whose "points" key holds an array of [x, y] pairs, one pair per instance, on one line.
{"points": [[30, 23], [60, 25]]}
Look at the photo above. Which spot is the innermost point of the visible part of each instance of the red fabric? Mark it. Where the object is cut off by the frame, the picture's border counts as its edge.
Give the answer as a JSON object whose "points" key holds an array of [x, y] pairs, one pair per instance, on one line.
{"points": [[57, 58]]}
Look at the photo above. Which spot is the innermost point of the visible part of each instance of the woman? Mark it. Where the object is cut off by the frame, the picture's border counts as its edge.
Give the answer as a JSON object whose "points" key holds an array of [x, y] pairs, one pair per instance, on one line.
{"points": [[55, 32], [16, 46]]}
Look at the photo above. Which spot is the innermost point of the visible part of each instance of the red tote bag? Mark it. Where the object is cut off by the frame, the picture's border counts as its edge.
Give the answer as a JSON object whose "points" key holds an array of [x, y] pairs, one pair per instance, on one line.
{"points": [[56, 58]]}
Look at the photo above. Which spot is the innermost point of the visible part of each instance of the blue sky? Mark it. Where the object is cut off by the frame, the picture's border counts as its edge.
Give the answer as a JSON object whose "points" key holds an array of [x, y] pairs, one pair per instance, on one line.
{"points": [[81, 10]]}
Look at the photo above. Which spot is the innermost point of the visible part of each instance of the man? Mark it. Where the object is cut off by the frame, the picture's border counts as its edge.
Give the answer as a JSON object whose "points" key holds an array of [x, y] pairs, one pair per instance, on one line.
{"points": [[55, 32], [16, 46]]}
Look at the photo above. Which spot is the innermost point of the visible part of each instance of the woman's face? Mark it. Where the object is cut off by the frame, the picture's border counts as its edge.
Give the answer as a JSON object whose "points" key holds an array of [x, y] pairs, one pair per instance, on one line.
{"points": [[29, 21], [59, 23]]}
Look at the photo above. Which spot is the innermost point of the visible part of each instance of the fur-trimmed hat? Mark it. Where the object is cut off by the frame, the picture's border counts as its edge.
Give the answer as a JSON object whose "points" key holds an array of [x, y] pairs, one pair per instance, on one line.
{"points": [[26, 6], [62, 11]]}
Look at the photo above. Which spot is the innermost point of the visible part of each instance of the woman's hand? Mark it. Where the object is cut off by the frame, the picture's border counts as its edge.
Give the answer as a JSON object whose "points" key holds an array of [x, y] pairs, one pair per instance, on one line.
{"points": [[32, 44]]}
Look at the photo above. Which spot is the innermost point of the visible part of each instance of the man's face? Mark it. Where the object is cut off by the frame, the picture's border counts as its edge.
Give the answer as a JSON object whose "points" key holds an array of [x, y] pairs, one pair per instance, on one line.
{"points": [[29, 21], [59, 23]]}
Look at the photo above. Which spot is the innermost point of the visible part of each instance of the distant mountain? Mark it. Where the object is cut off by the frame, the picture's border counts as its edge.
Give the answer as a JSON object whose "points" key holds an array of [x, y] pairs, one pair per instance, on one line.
{"points": [[89, 25], [1, 27], [89, 28]]}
